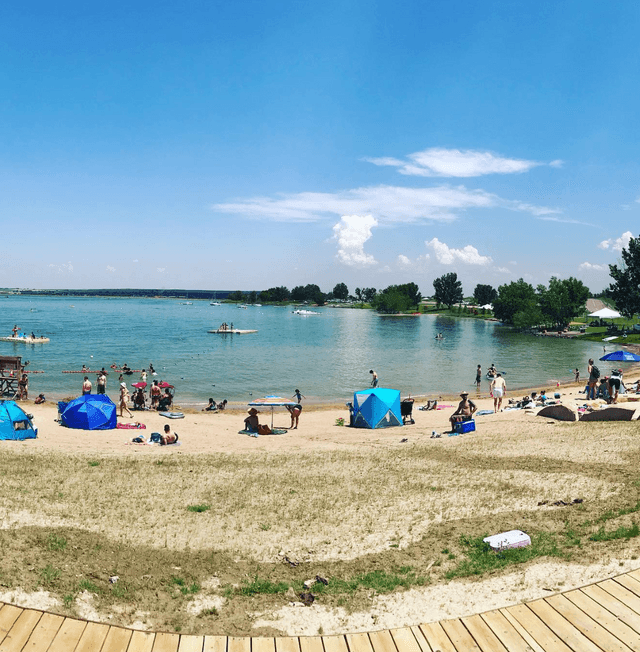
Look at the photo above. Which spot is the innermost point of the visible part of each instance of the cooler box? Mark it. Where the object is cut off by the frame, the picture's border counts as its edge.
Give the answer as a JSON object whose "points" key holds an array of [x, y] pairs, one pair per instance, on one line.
{"points": [[511, 539], [464, 426]]}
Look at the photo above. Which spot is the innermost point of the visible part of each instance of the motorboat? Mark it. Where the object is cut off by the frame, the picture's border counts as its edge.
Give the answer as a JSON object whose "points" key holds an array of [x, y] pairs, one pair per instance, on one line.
{"points": [[304, 312], [215, 303]]}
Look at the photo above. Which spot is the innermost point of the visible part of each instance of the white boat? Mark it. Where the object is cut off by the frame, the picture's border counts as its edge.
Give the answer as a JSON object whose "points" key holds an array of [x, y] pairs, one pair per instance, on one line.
{"points": [[25, 340], [304, 312], [257, 305], [215, 303], [229, 331], [242, 306]]}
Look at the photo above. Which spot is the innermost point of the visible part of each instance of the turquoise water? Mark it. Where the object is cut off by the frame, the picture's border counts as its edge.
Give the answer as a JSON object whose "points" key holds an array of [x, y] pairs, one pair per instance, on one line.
{"points": [[327, 356]]}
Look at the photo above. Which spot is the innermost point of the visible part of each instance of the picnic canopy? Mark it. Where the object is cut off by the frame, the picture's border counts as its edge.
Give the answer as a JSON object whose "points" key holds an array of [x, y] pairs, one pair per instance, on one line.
{"points": [[605, 313], [378, 407], [88, 412], [15, 424]]}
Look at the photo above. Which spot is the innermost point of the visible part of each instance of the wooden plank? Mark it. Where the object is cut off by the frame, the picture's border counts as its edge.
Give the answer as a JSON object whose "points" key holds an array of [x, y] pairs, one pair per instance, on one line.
{"points": [[19, 634], [614, 605], [190, 643], [92, 637], [506, 632], [606, 618], [437, 638], [166, 642], [311, 644], [485, 639], [141, 641], [215, 644], [117, 640], [382, 641], [420, 638], [68, 635], [629, 583], [534, 627], [621, 593], [263, 644], [594, 631], [287, 644], [635, 574], [459, 636], [8, 615], [334, 644], [358, 643], [404, 640], [573, 637], [44, 633]]}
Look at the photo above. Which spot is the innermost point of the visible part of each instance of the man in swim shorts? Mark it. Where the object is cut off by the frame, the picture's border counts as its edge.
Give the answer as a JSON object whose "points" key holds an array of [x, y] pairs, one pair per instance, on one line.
{"points": [[86, 386], [465, 410], [498, 389], [478, 375], [168, 437], [374, 378], [614, 384]]}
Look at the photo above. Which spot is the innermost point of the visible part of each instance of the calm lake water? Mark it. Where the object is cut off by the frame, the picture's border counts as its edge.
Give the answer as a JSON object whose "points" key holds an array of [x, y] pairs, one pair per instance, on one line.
{"points": [[327, 356]]}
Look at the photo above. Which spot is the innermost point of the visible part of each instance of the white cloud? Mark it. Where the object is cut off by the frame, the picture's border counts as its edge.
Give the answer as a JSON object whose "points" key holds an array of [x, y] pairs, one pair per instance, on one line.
{"points": [[404, 261], [389, 204], [440, 162], [563, 220], [512, 263], [558, 163], [447, 256], [160, 269], [619, 243], [110, 269], [135, 260], [625, 207], [595, 268], [502, 270], [351, 232], [64, 267]]}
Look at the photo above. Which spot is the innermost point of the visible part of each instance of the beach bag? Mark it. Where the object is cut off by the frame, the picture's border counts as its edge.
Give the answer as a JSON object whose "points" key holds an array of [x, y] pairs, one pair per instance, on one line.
{"points": [[155, 437], [595, 372], [264, 430]]}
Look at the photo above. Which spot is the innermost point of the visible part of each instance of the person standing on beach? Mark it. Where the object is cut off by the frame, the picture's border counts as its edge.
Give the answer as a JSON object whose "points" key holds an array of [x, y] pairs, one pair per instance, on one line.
{"points": [[498, 389], [86, 386], [478, 375], [154, 393], [101, 383], [294, 411], [143, 376], [374, 378], [23, 387], [594, 374], [577, 378], [124, 397]]}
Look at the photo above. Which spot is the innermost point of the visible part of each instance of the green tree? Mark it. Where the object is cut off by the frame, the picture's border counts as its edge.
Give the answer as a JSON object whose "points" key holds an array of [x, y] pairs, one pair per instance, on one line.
{"points": [[412, 291], [369, 294], [517, 297], [625, 289], [358, 293], [276, 294], [236, 295], [298, 293], [448, 289], [484, 294], [391, 300], [252, 296], [563, 300], [340, 291]]}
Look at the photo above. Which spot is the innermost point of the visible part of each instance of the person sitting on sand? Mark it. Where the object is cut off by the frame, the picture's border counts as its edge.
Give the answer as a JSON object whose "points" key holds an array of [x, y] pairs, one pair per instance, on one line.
{"points": [[294, 411], [40, 399], [251, 423], [465, 410], [139, 402], [167, 436], [222, 405], [166, 401], [212, 407]]}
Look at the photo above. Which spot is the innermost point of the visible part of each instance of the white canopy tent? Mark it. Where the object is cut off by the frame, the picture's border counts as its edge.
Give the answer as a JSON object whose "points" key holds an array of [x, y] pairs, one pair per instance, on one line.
{"points": [[605, 313]]}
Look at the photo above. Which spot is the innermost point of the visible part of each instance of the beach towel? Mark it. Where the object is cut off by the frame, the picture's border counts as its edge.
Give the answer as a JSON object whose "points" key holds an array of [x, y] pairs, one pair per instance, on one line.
{"points": [[251, 433], [131, 426]]}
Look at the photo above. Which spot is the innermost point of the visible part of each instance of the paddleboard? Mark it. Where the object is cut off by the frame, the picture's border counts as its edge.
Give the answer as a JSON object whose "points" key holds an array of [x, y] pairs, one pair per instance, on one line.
{"points": [[172, 415]]}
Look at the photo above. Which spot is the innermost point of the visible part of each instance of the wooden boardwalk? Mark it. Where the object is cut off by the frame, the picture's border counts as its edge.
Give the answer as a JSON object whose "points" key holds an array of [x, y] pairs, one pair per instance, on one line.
{"points": [[601, 616]]}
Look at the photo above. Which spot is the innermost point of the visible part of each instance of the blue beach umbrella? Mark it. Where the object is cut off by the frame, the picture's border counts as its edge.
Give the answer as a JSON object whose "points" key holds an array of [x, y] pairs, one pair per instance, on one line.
{"points": [[621, 356], [90, 412]]}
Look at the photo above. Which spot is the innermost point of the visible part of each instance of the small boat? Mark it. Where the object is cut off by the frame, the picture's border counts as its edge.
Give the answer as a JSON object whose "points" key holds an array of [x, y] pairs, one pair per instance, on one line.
{"points": [[257, 305], [25, 340], [304, 312], [215, 303], [242, 306], [234, 331], [187, 303]]}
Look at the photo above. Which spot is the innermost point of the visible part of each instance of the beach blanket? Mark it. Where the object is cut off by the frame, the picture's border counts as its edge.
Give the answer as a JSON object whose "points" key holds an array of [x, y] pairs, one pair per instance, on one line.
{"points": [[131, 426], [276, 431], [172, 415]]}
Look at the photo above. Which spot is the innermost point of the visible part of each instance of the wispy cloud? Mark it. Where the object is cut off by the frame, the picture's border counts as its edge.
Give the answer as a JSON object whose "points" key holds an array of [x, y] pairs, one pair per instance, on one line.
{"points": [[619, 243], [563, 220], [404, 261], [440, 162], [110, 269], [351, 232], [160, 270], [446, 255], [502, 270], [62, 268], [595, 268], [389, 204]]}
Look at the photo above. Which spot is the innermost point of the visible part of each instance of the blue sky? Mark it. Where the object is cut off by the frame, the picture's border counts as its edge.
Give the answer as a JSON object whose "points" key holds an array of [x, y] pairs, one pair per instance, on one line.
{"points": [[250, 144]]}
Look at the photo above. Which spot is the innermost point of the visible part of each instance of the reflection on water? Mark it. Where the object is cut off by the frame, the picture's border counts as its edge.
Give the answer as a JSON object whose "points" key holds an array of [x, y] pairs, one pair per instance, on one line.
{"points": [[327, 356]]}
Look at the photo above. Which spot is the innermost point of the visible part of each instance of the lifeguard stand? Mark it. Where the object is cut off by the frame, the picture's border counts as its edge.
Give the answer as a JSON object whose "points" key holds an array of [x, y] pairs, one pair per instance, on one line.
{"points": [[11, 370]]}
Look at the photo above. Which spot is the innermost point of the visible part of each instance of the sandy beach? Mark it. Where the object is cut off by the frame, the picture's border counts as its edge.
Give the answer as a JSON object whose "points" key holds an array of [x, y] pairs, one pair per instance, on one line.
{"points": [[323, 499]]}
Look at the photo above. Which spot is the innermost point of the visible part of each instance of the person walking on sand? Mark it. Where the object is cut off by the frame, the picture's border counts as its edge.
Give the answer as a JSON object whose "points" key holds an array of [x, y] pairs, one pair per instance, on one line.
{"points": [[86, 386], [374, 378], [594, 374], [498, 389], [124, 397], [478, 375]]}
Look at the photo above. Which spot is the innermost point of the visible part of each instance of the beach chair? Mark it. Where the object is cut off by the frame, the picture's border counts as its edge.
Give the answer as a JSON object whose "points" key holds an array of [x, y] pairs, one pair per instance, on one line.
{"points": [[406, 410]]}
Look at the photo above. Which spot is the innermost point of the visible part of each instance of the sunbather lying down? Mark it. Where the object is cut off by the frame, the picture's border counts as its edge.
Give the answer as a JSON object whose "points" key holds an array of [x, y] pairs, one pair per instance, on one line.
{"points": [[431, 405]]}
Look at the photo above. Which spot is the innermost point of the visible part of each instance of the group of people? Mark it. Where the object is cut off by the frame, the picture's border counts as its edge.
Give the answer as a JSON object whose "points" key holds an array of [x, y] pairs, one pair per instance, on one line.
{"points": [[606, 388], [252, 423]]}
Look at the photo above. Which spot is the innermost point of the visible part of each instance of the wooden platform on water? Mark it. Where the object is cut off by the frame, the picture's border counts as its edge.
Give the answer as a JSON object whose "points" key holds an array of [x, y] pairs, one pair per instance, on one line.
{"points": [[603, 616]]}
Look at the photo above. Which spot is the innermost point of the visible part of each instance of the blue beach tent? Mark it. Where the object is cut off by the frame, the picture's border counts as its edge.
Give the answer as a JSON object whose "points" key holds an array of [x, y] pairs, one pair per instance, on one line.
{"points": [[14, 422], [378, 407], [89, 412]]}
